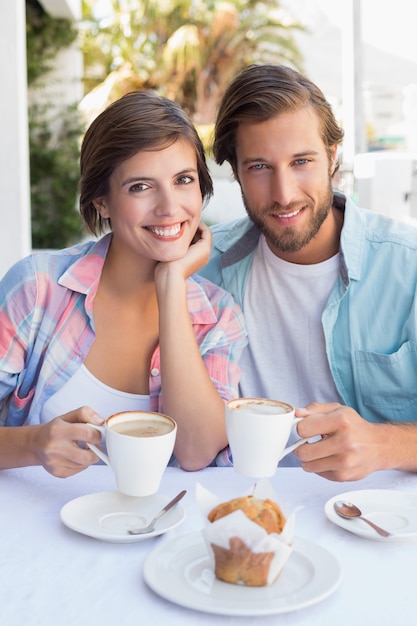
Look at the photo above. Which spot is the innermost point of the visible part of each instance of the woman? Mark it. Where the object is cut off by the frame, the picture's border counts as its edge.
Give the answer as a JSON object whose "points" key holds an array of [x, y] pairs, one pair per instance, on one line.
{"points": [[121, 322]]}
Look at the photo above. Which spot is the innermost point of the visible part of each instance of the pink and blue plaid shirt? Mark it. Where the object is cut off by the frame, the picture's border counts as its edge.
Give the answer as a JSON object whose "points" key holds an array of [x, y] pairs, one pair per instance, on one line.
{"points": [[47, 329]]}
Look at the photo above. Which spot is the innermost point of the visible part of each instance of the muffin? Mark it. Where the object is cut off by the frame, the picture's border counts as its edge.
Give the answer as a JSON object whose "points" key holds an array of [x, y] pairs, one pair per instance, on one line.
{"points": [[256, 562], [264, 512]]}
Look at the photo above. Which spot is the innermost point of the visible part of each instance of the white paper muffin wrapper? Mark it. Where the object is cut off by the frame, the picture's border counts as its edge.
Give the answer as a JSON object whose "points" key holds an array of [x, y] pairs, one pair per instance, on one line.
{"points": [[236, 524]]}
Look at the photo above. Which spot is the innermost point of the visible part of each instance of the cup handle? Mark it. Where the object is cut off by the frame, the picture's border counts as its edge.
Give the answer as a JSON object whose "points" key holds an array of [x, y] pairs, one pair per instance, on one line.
{"points": [[94, 448], [296, 444], [293, 447]]}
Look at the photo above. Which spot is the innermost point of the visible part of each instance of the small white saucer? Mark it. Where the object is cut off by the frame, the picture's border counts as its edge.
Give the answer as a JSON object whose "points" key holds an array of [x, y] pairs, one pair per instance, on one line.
{"points": [[109, 515], [395, 511]]}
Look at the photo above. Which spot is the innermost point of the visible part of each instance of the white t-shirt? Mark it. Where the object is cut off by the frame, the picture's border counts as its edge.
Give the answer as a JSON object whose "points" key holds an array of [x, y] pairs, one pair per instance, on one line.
{"points": [[84, 389], [283, 305]]}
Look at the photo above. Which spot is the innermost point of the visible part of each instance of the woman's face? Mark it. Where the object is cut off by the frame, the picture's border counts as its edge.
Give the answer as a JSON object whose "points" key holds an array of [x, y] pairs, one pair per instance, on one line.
{"points": [[154, 202]]}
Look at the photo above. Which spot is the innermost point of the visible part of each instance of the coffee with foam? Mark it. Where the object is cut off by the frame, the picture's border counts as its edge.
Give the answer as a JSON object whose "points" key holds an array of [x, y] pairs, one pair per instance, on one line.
{"points": [[143, 428]]}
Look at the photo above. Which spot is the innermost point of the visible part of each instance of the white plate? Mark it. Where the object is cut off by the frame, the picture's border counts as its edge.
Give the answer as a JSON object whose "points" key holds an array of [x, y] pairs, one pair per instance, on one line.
{"points": [[395, 511], [109, 515], [180, 570]]}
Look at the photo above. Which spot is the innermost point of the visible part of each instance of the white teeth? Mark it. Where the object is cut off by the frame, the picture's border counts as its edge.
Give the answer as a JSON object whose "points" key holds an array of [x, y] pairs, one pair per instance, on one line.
{"points": [[171, 231], [286, 215]]}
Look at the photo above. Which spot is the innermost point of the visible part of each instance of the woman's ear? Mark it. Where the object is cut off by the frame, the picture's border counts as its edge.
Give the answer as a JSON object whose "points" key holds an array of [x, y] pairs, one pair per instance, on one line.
{"points": [[101, 207]]}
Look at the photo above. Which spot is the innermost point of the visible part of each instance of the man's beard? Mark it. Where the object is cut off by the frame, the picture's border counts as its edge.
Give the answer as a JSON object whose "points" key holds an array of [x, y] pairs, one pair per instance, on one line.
{"points": [[286, 239]]}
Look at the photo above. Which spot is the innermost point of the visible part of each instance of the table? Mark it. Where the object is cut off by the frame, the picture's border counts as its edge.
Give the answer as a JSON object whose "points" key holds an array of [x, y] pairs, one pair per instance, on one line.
{"points": [[51, 575]]}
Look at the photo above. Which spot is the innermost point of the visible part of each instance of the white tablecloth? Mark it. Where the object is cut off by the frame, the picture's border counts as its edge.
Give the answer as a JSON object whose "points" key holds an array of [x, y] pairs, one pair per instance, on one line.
{"points": [[53, 576]]}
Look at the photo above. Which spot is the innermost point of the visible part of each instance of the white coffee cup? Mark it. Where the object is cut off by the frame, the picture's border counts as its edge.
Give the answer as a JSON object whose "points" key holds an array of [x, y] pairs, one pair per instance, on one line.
{"points": [[139, 446], [258, 430]]}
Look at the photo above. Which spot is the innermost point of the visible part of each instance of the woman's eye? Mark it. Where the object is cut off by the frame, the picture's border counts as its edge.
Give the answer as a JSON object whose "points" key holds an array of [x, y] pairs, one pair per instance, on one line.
{"points": [[139, 187]]}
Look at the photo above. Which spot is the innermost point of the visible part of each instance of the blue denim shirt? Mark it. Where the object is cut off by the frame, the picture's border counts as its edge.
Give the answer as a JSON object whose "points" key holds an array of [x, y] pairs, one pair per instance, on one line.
{"points": [[370, 320]]}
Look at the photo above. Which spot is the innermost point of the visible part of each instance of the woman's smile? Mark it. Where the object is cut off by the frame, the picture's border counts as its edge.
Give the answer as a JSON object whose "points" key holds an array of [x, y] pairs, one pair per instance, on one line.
{"points": [[167, 232]]}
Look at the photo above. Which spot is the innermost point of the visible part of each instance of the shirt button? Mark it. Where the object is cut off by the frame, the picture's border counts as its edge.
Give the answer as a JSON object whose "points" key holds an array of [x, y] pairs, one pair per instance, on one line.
{"points": [[154, 371]]}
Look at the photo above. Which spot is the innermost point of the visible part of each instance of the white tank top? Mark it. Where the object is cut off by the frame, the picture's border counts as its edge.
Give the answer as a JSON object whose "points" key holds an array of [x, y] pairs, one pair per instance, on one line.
{"points": [[84, 389], [283, 306]]}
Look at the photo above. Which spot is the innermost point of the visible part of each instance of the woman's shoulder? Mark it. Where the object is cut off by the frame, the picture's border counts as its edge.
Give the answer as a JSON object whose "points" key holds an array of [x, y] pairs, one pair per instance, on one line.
{"points": [[211, 301], [41, 267], [210, 289]]}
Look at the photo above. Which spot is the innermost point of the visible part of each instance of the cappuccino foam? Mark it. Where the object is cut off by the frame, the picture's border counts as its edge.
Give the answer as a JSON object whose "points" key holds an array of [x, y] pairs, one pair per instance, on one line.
{"points": [[260, 408], [143, 428]]}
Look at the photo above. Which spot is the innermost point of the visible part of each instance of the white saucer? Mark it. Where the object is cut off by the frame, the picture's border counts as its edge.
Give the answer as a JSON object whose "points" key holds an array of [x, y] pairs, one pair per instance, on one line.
{"points": [[109, 515], [395, 511], [180, 570]]}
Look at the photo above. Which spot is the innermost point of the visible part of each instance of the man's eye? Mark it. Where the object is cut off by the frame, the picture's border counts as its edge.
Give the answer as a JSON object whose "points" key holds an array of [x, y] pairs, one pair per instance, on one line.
{"points": [[258, 166], [185, 180]]}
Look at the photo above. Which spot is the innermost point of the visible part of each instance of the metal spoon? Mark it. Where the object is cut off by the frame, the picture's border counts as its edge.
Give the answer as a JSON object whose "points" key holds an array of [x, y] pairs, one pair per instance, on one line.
{"points": [[150, 527], [349, 511]]}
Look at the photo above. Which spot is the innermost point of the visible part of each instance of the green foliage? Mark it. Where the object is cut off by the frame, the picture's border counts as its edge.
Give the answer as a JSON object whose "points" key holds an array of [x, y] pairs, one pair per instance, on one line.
{"points": [[45, 37], [188, 50], [54, 177], [53, 143]]}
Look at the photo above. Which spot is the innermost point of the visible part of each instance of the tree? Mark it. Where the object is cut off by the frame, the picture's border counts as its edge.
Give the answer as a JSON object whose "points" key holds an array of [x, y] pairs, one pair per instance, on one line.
{"points": [[187, 50]]}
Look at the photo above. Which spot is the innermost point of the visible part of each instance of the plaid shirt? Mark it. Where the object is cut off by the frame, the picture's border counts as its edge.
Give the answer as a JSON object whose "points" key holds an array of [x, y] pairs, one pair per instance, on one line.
{"points": [[47, 329]]}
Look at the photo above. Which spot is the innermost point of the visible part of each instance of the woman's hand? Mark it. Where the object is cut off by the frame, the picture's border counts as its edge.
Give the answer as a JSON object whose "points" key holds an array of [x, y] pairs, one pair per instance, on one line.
{"points": [[56, 443], [197, 256]]}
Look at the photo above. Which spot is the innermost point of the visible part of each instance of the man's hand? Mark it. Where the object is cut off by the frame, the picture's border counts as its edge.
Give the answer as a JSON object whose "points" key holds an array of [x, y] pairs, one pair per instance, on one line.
{"points": [[350, 447]]}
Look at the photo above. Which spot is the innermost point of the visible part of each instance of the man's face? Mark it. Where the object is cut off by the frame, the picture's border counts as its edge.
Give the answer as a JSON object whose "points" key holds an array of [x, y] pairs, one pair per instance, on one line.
{"points": [[284, 171]]}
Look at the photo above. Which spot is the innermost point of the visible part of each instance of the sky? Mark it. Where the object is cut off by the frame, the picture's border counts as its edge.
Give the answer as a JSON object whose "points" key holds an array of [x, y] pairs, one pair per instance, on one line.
{"points": [[390, 26]]}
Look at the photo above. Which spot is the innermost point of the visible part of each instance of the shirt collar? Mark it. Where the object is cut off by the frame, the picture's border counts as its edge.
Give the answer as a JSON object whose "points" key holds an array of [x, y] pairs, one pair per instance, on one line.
{"points": [[242, 247], [84, 273], [352, 237]]}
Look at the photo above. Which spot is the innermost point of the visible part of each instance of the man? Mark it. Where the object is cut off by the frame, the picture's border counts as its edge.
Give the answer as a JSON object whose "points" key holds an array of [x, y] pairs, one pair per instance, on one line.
{"points": [[328, 290]]}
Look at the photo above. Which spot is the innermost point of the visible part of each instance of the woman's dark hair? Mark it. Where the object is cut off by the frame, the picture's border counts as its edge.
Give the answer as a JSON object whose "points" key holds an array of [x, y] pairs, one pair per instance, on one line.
{"points": [[141, 120], [260, 92]]}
